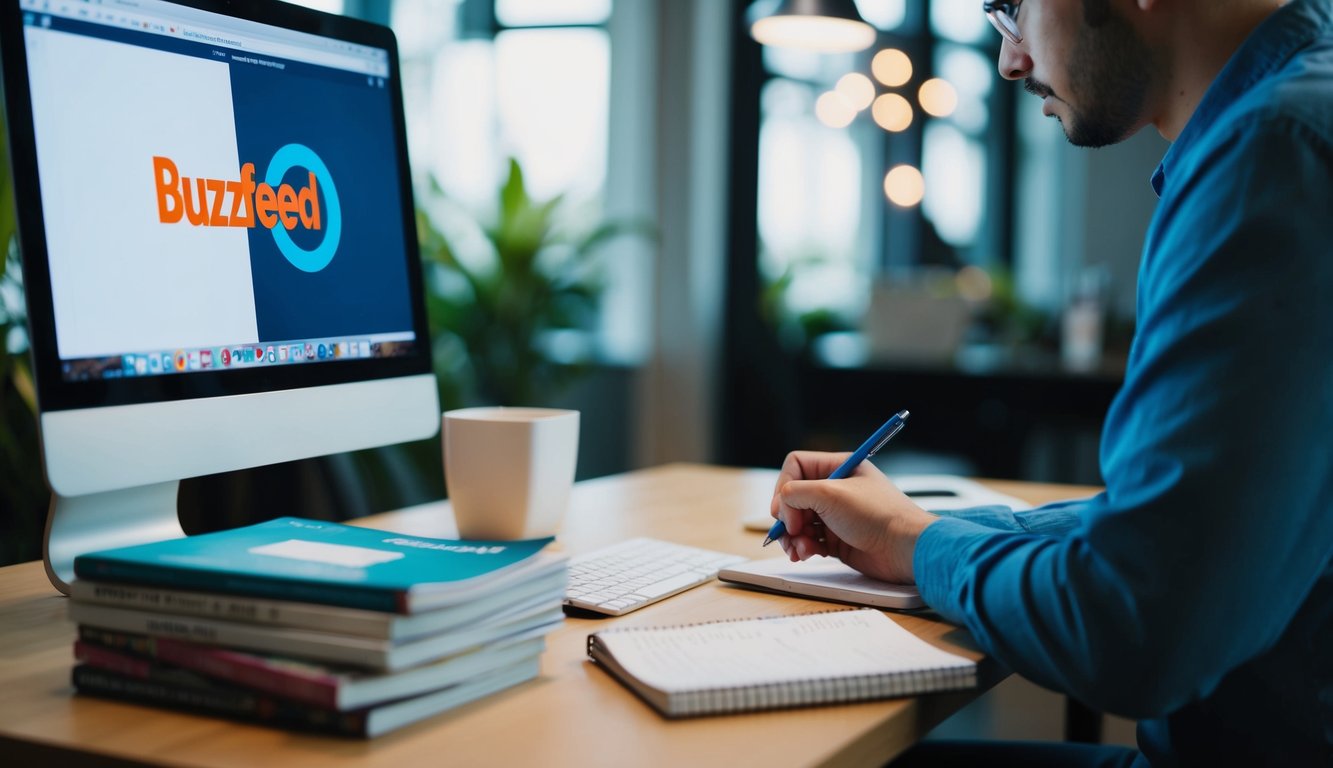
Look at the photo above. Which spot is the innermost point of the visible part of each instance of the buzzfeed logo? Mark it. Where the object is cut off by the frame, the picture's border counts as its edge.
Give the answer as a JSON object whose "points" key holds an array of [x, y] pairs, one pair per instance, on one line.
{"points": [[274, 205]]}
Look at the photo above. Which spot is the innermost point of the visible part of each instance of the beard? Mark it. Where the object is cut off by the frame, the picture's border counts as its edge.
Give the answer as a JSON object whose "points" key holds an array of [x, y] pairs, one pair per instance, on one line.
{"points": [[1108, 79]]}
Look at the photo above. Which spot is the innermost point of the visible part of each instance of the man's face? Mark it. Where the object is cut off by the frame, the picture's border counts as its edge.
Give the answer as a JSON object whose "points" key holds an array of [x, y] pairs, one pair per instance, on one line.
{"points": [[1088, 64]]}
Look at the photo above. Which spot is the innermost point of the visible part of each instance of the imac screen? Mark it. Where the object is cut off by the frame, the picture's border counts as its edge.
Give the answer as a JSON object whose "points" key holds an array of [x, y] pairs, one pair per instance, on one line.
{"points": [[218, 195]]}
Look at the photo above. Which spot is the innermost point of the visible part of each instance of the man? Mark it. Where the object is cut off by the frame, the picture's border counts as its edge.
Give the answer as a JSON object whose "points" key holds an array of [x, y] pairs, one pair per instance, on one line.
{"points": [[1196, 593]]}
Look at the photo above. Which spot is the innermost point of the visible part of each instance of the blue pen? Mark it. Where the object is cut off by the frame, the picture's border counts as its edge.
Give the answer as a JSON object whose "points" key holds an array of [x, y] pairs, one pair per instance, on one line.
{"points": [[869, 448]]}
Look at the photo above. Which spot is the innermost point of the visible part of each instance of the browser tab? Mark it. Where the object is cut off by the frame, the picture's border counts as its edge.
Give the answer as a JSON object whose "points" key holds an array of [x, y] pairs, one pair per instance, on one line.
{"points": [[158, 18]]}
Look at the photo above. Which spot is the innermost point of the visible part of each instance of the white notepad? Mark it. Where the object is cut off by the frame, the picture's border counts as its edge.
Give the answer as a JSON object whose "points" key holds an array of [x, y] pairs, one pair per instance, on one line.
{"points": [[775, 662], [826, 578]]}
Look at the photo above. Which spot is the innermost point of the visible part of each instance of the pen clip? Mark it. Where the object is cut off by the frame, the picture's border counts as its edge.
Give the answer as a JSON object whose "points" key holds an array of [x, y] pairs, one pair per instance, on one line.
{"points": [[896, 428]]}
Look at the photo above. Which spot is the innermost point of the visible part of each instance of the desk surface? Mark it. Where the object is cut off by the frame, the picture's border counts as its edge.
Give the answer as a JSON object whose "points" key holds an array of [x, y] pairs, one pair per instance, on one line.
{"points": [[573, 714]]}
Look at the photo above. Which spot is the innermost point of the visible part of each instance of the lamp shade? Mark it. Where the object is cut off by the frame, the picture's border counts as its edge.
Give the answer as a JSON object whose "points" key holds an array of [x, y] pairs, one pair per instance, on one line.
{"points": [[825, 26]]}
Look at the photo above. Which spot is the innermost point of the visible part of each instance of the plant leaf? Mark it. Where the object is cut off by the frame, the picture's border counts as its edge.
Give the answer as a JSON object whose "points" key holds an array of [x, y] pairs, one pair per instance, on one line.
{"points": [[513, 195], [540, 279]]}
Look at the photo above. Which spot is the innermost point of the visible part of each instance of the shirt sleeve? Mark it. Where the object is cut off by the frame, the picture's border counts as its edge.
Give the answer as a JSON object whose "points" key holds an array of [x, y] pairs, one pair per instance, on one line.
{"points": [[1056, 518], [1216, 454]]}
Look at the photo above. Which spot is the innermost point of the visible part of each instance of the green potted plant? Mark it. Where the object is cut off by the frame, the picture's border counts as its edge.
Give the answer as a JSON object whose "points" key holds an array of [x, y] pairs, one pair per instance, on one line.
{"points": [[22, 487], [493, 306]]}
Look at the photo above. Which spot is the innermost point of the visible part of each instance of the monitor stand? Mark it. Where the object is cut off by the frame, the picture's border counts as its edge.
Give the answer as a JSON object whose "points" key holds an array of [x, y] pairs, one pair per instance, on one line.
{"points": [[78, 524]]}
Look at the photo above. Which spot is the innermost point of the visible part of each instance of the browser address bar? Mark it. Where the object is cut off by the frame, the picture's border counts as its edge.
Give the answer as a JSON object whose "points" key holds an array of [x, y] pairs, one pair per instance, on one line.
{"points": [[283, 50], [117, 15]]}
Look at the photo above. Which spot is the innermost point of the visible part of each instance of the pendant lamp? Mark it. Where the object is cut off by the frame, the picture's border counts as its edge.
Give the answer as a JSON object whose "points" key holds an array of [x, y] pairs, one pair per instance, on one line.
{"points": [[824, 26]]}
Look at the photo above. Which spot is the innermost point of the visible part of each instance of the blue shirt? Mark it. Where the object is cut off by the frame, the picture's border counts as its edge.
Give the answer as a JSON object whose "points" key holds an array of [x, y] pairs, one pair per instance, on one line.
{"points": [[1196, 592]]}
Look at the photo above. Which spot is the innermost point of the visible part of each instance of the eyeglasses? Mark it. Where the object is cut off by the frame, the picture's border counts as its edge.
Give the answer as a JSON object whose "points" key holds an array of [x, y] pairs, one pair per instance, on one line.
{"points": [[1004, 17]]}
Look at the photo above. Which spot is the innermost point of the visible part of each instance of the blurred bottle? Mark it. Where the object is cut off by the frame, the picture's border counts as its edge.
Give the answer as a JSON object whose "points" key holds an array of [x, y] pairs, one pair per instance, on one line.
{"points": [[1083, 325]]}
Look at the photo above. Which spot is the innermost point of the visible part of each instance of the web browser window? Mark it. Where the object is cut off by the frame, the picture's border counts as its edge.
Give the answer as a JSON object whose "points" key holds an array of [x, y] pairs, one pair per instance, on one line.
{"points": [[217, 193]]}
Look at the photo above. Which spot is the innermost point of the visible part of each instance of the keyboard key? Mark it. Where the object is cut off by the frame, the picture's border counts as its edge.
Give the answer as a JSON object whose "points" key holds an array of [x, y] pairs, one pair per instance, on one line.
{"points": [[624, 577], [663, 588]]}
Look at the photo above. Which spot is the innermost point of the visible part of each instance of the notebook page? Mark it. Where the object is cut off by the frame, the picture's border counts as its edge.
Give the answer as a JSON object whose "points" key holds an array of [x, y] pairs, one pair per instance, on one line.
{"points": [[773, 650]]}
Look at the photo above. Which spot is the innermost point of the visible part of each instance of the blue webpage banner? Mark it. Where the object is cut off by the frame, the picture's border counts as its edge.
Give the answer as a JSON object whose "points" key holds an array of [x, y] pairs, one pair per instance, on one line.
{"points": [[348, 276]]}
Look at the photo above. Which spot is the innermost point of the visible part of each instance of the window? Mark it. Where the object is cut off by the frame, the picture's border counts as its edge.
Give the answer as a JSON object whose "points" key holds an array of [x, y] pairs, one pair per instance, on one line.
{"points": [[484, 81], [876, 163]]}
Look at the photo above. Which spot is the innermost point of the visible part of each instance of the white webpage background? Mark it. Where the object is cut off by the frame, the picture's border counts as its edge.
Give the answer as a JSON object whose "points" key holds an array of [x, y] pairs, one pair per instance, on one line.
{"points": [[121, 280]]}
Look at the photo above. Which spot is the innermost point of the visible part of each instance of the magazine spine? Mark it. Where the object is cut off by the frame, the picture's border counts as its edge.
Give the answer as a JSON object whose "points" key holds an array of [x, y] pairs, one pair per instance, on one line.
{"points": [[245, 608], [245, 671], [322, 647], [97, 568], [217, 701]]}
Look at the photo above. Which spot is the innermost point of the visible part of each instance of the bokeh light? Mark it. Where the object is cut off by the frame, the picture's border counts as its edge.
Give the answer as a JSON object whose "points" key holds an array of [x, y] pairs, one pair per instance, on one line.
{"points": [[891, 67], [833, 110], [892, 112], [938, 97], [857, 89], [974, 284], [904, 186]]}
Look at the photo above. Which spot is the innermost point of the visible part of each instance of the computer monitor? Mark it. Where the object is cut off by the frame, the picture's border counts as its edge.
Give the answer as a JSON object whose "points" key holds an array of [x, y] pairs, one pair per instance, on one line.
{"points": [[218, 239]]}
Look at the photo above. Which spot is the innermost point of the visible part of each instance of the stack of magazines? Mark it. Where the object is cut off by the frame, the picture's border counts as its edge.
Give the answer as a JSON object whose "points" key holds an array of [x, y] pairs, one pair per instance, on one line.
{"points": [[314, 625]]}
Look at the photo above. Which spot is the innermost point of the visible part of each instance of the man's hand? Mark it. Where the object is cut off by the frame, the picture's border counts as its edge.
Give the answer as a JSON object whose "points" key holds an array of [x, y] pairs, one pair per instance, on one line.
{"points": [[863, 520]]}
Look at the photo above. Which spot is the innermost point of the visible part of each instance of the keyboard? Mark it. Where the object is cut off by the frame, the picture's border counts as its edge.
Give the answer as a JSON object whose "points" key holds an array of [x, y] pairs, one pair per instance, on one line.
{"points": [[627, 576]]}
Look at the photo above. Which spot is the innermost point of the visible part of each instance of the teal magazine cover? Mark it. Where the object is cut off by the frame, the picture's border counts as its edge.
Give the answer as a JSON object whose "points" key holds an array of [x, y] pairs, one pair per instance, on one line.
{"points": [[315, 561]]}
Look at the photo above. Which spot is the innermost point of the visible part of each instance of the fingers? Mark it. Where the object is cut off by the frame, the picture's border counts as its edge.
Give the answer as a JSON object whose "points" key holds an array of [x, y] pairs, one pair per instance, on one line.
{"points": [[802, 502], [818, 541], [862, 520], [865, 490], [801, 465], [813, 495], [809, 465]]}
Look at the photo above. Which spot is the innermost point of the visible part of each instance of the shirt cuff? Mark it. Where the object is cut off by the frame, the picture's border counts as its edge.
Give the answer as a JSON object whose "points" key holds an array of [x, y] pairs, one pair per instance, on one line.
{"points": [[1052, 519], [938, 564], [995, 516]]}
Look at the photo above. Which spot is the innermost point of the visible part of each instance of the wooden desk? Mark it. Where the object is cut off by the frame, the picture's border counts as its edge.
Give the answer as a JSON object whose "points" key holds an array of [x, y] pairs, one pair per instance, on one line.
{"points": [[573, 714]]}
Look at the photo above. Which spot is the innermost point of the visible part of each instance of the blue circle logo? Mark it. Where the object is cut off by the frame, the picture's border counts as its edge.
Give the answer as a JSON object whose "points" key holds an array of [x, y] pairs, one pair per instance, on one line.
{"points": [[301, 156]]}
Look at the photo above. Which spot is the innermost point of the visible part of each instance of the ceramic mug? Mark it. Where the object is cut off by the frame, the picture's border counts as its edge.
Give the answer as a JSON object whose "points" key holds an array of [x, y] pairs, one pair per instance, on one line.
{"points": [[510, 471]]}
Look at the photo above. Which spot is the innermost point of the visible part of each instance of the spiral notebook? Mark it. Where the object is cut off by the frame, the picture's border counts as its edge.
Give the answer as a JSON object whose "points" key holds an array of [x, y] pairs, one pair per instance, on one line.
{"points": [[781, 661]]}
